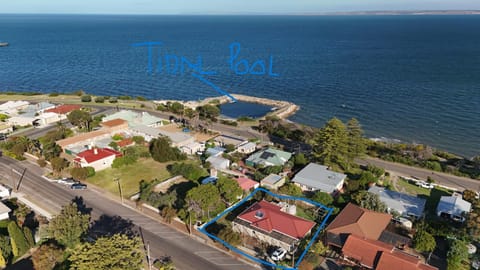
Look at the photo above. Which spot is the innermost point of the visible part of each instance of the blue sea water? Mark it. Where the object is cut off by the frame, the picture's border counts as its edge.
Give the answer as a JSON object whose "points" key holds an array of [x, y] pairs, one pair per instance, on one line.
{"points": [[241, 108], [413, 78]]}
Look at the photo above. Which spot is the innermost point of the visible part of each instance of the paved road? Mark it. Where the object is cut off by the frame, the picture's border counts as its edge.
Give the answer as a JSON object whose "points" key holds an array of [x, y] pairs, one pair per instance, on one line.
{"points": [[457, 182], [35, 133], [187, 253]]}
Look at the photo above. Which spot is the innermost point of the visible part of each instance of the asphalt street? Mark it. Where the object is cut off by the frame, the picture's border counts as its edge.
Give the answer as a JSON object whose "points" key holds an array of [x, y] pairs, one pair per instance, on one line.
{"points": [[456, 182], [186, 252]]}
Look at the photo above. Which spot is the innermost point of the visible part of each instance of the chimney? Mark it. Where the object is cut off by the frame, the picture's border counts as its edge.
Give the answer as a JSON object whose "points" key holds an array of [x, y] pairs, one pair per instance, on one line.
{"points": [[95, 151]]}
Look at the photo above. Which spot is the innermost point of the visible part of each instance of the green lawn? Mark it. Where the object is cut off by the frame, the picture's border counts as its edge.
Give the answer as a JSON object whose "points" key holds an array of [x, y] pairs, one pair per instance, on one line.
{"points": [[130, 176], [413, 189]]}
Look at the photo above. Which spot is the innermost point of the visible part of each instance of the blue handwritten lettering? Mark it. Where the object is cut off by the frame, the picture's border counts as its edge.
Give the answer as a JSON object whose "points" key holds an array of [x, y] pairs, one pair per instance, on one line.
{"points": [[174, 64]]}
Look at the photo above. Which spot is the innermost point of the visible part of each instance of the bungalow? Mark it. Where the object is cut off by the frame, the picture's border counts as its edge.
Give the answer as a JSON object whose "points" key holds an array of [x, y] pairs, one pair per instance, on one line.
{"points": [[136, 118], [268, 157], [318, 177], [178, 139], [373, 254], [215, 151], [273, 181], [453, 207], [266, 222], [98, 158], [223, 140], [192, 148], [219, 163], [115, 125], [247, 184], [247, 148], [404, 204], [12, 107], [358, 221]]}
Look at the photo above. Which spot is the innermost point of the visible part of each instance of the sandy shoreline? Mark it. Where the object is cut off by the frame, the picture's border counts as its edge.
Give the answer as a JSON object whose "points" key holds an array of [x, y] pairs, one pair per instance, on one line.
{"points": [[283, 109]]}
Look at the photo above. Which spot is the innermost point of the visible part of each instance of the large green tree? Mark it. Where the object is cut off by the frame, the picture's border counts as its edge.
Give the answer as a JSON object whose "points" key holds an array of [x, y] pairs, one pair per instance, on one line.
{"points": [[323, 198], [424, 241], [80, 118], [229, 189], [117, 252], [5, 246], [161, 150], [356, 142], [369, 201], [291, 189], [205, 196], [69, 226], [331, 143]]}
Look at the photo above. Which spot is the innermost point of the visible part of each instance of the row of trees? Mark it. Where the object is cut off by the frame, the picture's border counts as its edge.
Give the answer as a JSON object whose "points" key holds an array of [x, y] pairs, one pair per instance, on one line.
{"points": [[66, 245]]}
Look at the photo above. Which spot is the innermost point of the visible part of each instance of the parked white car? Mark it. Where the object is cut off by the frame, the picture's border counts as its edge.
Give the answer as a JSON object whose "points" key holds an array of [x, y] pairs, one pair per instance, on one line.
{"points": [[424, 184], [66, 181], [278, 254]]}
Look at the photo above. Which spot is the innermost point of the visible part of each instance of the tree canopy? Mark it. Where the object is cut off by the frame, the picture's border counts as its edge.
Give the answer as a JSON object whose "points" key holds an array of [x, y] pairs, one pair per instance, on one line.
{"points": [[47, 256], [206, 197], [291, 189], [457, 253], [423, 241], [69, 226], [369, 201], [323, 198], [80, 118], [117, 252], [161, 150], [229, 189]]}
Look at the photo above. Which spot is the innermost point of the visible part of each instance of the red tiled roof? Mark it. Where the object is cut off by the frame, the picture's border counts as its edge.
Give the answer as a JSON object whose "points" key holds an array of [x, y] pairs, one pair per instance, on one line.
{"points": [[90, 156], [381, 256], [268, 217], [401, 261], [64, 109], [361, 222], [114, 122], [364, 250], [125, 142], [246, 183]]}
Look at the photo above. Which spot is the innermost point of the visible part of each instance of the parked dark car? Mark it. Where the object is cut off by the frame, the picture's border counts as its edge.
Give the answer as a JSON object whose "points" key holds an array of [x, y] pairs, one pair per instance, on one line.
{"points": [[78, 186]]}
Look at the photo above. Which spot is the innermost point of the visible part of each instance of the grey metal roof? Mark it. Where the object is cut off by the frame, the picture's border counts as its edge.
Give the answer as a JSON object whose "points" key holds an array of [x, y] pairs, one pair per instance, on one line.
{"points": [[402, 203], [453, 205], [271, 179], [319, 177]]}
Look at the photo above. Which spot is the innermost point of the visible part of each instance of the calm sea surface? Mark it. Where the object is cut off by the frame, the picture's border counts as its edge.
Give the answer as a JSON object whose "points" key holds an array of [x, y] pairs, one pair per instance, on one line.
{"points": [[413, 78]]}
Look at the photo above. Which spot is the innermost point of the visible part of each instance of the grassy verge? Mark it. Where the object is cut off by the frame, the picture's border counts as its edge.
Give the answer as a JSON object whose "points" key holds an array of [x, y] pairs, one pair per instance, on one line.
{"points": [[412, 188], [130, 176]]}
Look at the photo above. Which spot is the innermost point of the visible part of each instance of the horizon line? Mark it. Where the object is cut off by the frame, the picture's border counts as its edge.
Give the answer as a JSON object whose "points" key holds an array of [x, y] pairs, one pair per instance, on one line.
{"points": [[240, 13]]}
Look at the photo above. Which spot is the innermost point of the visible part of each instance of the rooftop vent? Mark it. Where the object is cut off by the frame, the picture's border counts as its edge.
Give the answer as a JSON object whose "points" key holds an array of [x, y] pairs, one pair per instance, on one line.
{"points": [[259, 214]]}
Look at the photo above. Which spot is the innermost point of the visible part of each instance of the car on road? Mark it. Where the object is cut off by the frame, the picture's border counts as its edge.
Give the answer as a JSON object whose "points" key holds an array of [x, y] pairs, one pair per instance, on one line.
{"points": [[424, 184], [78, 186], [278, 254], [67, 181]]}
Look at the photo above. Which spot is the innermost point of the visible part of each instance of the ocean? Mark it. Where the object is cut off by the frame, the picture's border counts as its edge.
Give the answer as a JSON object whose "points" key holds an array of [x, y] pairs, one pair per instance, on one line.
{"points": [[412, 78]]}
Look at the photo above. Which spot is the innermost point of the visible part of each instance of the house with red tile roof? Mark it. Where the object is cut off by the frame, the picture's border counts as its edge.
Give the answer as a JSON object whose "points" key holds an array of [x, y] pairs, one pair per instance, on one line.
{"points": [[247, 184], [98, 158], [64, 109], [357, 221], [374, 254], [267, 222]]}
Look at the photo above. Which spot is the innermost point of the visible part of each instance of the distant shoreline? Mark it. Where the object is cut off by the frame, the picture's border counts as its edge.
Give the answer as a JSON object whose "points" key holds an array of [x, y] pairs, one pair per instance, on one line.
{"points": [[332, 13]]}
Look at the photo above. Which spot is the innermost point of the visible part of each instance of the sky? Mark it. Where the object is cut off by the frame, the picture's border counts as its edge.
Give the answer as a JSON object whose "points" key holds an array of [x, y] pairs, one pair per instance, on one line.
{"points": [[226, 6]]}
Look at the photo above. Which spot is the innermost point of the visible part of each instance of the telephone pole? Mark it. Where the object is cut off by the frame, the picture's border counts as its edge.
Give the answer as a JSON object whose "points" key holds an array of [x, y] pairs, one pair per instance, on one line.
{"points": [[119, 187]]}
